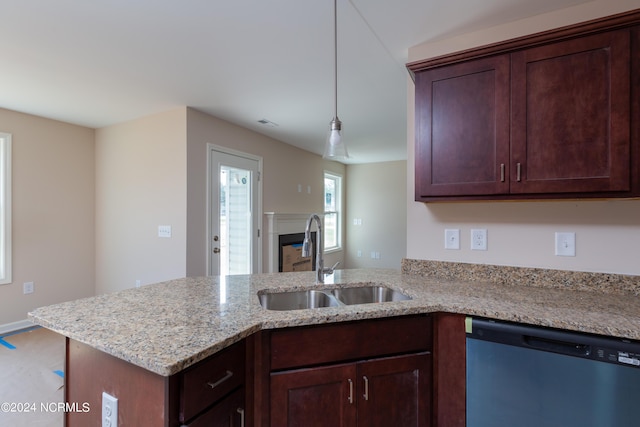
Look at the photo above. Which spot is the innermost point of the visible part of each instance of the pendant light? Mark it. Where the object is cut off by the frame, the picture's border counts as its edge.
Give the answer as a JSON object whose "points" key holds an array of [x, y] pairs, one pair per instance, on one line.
{"points": [[335, 148]]}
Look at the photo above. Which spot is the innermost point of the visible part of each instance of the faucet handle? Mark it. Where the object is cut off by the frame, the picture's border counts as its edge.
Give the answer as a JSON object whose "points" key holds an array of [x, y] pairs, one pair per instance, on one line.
{"points": [[330, 270]]}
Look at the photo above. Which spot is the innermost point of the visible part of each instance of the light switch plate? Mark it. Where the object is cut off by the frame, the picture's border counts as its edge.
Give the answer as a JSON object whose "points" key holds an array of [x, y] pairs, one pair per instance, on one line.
{"points": [[452, 238], [565, 244], [164, 231]]}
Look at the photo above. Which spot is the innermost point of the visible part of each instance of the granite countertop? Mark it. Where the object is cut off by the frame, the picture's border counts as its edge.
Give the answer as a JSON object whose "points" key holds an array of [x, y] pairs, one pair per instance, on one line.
{"points": [[169, 326]]}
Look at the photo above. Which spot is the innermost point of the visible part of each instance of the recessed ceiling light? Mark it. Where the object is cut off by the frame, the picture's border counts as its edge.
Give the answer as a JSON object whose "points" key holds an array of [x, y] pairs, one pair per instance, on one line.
{"points": [[267, 123]]}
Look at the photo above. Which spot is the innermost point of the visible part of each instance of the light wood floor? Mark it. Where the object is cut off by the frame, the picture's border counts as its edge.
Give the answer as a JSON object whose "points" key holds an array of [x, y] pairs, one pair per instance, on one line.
{"points": [[31, 376]]}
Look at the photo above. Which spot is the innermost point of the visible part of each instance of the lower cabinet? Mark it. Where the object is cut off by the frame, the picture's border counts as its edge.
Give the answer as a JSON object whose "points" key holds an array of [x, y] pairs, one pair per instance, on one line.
{"points": [[212, 392], [374, 372], [228, 412], [405, 371], [390, 391], [209, 393]]}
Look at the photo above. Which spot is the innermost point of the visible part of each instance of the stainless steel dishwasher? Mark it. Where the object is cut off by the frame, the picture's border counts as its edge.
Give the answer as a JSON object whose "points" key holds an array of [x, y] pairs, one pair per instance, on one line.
{"points": [[525, 376]]}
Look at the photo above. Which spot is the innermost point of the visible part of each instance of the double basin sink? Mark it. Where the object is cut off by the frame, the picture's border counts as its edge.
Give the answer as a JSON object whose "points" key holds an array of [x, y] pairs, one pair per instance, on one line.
{"points": [[336, 297]]}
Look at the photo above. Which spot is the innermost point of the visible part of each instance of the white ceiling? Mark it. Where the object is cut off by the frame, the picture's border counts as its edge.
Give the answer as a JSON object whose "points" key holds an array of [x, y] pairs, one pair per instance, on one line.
{"points": [[97, 63]]}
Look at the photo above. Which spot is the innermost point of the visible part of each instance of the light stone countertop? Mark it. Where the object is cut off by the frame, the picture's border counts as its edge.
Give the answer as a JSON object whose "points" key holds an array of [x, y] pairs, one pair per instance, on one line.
{"points": [[169, 326]]}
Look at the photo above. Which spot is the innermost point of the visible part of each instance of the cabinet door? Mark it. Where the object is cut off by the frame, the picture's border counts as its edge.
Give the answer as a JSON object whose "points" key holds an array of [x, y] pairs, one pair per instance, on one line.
{"points": [[315, 397], [462, 129], [395, 391], [570, 116]]}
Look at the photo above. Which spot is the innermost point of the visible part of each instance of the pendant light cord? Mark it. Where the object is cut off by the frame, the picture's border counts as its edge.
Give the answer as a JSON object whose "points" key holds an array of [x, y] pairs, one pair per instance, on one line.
{"points": [[335, 55]]}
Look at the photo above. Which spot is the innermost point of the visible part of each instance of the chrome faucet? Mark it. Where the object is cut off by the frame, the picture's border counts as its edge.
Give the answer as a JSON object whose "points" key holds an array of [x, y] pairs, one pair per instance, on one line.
{"points": [[306, 248]]}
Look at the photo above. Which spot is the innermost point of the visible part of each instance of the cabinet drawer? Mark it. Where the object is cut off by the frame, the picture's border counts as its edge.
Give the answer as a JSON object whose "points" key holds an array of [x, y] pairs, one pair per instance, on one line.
{"points": [[229, 412], [211, 379], [314, 345]]}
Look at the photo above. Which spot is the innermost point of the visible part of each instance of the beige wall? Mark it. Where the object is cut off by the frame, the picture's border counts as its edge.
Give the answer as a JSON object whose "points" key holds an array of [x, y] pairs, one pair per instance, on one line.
{"points": [[53, 213], [284, 167], [140, 184], [522, 233], [377, 197]]}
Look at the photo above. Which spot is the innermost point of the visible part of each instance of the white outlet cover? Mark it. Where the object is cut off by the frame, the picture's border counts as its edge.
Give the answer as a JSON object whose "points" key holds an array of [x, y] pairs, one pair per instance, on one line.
{"points": [[109, 410], [164, 231], [452, 238], [479, 239], [565, 244]]}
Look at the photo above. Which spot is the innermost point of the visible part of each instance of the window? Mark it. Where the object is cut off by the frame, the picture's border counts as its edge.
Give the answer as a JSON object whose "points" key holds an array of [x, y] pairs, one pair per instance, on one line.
{"points": [[5, 208], [332, 211]]}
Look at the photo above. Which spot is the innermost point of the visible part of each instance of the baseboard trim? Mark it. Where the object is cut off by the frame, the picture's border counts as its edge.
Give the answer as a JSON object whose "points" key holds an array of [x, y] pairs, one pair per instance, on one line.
{"points": [[15, 326]]}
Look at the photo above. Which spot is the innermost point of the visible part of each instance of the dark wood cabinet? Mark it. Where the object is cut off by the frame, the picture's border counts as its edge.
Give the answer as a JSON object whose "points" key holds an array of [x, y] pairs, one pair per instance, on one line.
{"points": [[548, 116], [462, 129], [366, 373], [395, 391], [228, 412], [384, 392], [570, 119], [209, 393], [314, 397], [399, 371]]}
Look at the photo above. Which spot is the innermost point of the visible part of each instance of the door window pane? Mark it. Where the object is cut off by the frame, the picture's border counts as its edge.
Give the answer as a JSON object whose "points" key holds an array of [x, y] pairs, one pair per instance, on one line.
{"points": [[235, 221]]}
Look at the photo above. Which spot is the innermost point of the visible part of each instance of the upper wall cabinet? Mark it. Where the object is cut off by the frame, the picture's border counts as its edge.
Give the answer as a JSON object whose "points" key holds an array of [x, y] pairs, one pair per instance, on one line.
{"points": [[548, 116]]}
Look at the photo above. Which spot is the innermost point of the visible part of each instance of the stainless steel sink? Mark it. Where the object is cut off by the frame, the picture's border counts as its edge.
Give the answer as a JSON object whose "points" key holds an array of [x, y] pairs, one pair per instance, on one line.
{"points": [[313, 298], [297, 300], [368, 295]]}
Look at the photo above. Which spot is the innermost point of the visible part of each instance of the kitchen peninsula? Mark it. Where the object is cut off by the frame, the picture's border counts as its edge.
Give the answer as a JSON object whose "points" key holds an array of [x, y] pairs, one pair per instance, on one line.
{"points": [[164, 336]]}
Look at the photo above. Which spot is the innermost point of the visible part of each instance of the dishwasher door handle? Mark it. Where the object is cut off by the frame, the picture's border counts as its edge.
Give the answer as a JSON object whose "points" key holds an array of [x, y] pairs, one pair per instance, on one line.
{"points": [[562, 347]]}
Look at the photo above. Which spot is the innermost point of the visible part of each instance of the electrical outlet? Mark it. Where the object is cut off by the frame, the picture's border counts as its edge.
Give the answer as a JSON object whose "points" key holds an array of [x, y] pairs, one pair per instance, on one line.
{"points": [[109, 410], [478, 239], [27, 288], [452, 238]]}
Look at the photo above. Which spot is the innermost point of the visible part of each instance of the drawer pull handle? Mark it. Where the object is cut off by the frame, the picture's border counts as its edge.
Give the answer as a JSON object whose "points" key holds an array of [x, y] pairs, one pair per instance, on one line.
{"points": [[241, 412], [350, 390], [366, 387], [221, 380]]}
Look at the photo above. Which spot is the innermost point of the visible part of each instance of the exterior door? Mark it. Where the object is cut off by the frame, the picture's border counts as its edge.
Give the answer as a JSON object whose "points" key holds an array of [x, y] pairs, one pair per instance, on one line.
{"points": [[234, 212]]}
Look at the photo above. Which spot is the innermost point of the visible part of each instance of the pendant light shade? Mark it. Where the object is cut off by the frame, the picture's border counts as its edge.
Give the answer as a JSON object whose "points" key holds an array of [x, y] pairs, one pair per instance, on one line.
{"points": [[335, 147]]}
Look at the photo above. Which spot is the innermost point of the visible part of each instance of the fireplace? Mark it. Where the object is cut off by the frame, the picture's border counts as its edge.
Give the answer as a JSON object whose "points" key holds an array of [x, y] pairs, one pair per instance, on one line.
{"points": [[289, 253], [289, 227]]}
